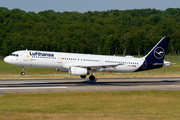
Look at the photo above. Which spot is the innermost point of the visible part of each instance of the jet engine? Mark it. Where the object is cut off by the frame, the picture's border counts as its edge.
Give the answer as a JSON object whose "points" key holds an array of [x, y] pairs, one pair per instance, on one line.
{"points": [[78, 71]]}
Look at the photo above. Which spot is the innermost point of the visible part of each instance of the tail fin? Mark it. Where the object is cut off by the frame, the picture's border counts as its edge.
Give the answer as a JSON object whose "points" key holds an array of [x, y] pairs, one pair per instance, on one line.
{"points": [[159, 50], [155, 58]]}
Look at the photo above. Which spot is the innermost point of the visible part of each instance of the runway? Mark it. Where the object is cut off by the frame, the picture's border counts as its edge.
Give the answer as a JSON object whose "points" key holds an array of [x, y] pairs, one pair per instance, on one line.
{"points": [[102, 84]]}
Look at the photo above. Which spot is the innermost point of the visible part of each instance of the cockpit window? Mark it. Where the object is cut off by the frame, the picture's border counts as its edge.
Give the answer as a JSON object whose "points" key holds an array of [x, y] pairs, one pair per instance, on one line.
{"points": [[16, 55]]}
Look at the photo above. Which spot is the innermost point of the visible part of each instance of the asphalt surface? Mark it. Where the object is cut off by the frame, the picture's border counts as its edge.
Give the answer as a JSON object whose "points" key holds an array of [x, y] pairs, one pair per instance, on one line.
{"points": [[102, 84]]}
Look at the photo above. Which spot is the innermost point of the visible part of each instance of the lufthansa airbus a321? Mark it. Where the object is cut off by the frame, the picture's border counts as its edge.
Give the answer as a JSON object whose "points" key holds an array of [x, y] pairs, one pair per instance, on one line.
{"points": [[85, 64]]}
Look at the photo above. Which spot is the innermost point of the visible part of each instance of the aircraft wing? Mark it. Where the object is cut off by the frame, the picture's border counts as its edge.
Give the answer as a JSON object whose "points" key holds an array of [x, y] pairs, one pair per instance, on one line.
{"points": [[98, 66]]}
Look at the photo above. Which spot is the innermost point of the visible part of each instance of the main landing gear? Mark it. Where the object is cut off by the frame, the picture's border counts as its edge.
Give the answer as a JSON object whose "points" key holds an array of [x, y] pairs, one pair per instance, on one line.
{"points": [[83, 76], [23, 73], [91, 77]]}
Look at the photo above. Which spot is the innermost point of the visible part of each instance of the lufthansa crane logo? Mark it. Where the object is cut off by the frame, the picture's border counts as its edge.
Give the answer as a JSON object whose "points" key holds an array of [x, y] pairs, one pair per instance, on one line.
{"points": [[159, 52]]}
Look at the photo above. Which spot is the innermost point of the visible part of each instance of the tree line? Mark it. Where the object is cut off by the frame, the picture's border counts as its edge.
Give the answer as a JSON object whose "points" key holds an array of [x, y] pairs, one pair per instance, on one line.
{"points": [[120, 32]]}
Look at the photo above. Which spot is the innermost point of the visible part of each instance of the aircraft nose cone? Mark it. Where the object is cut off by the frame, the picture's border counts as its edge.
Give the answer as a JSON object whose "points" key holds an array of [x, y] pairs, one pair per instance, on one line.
{"points": [[6, 59]]}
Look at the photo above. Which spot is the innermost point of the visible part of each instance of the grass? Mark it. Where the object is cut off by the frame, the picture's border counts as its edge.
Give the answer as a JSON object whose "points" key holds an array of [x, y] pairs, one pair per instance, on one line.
{"points": [[148, 105], [107, 105], [10, 71]]}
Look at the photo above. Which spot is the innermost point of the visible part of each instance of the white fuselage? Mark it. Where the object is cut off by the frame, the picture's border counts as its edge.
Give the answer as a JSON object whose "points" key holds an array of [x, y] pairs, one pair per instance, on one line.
{"points": [[62, 61]]}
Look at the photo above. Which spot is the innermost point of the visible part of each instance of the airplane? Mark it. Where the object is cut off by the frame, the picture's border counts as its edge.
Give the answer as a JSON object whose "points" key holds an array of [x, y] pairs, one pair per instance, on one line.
{"points": [[85, 64]]}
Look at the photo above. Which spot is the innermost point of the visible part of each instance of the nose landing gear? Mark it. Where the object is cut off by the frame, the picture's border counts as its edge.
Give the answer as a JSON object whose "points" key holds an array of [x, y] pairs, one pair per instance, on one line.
{"points": [[23, 73]]}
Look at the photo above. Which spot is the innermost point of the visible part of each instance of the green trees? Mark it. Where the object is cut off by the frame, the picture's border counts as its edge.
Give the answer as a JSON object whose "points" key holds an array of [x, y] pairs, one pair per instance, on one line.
{"points": [[129, 32]]}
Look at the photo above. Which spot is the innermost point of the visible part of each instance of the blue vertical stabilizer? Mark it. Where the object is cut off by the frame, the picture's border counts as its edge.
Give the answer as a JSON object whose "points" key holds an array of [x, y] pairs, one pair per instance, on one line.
{"points": [[155, 58]]}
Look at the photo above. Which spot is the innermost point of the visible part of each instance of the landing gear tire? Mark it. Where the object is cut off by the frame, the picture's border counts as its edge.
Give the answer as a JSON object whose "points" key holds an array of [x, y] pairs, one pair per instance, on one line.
{"points": [[83, 76], [91, 78], [22, 73]]}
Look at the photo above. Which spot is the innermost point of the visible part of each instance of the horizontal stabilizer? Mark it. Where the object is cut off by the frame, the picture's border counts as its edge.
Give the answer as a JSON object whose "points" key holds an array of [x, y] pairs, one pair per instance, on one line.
{"points": [[166, 63], [158, 64]]}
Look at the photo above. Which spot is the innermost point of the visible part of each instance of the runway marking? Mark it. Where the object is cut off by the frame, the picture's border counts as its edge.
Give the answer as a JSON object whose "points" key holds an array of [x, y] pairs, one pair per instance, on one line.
{"points": [[15, 88], [25, 83]]}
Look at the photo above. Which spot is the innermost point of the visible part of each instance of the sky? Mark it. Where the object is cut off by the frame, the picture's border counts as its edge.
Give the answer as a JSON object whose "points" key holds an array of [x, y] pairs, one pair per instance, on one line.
{"points": [[87, 5]]}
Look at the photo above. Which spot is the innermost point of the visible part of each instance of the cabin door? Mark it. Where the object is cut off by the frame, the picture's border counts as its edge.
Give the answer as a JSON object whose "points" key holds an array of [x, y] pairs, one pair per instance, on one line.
{"points": [[100, 61], [25, 56], [60, 58]]}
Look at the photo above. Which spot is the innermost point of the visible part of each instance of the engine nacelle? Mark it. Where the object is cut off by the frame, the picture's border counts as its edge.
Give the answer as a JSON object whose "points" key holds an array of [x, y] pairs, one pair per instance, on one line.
{"points": [[78, 71]]}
